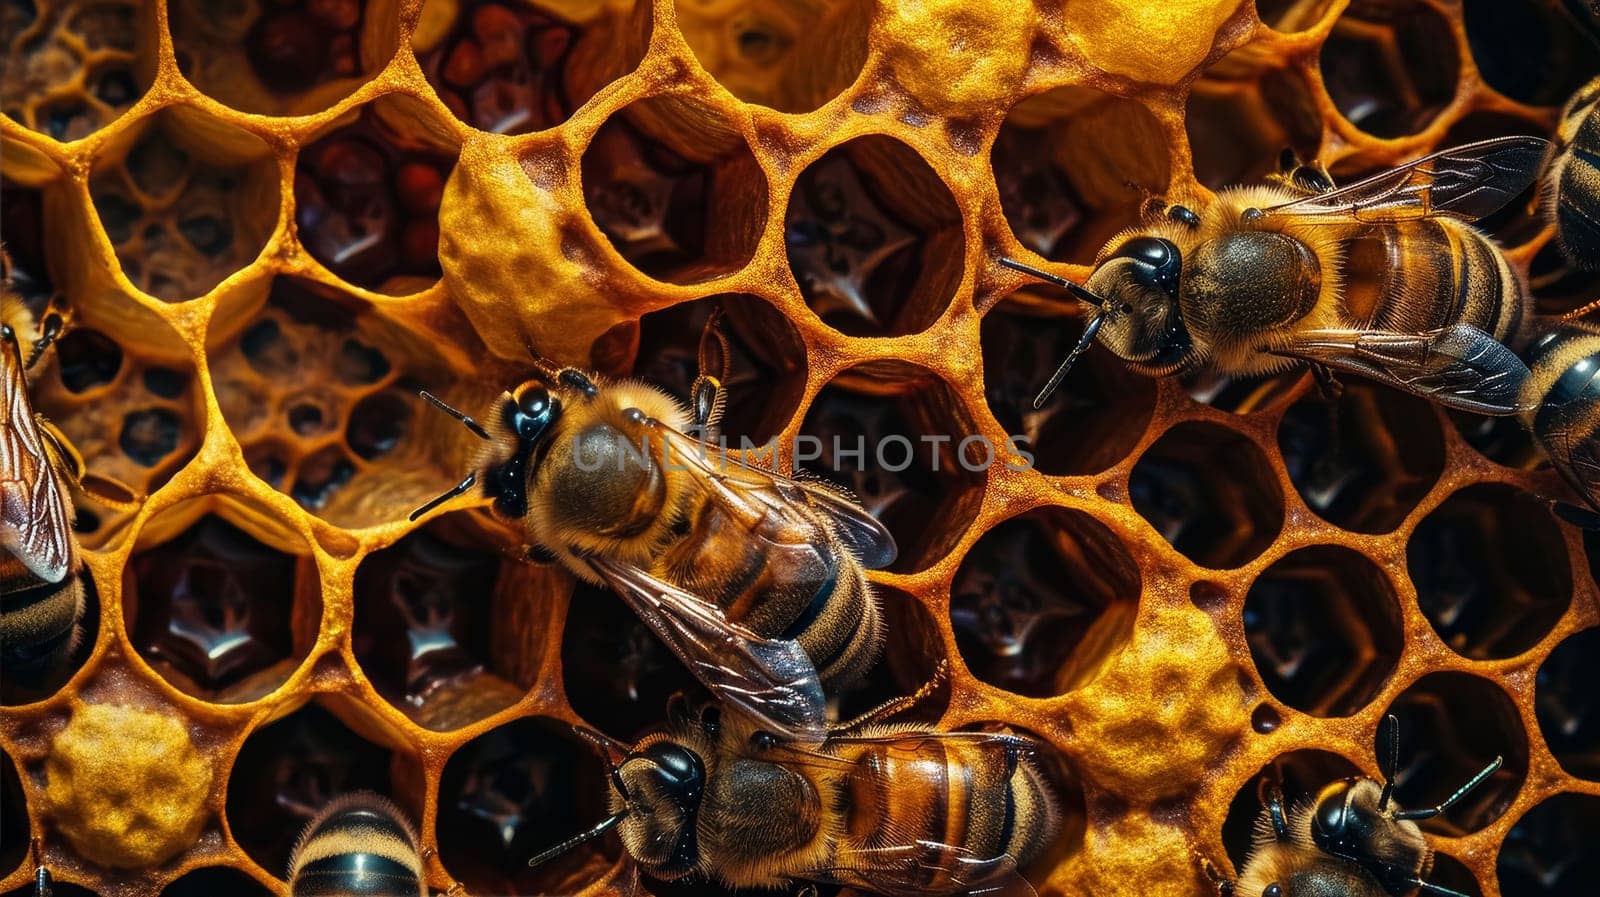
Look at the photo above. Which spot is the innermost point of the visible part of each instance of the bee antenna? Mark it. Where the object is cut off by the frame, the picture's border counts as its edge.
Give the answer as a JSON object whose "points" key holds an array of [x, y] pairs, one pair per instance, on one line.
{"points": [[48, 334], [1078, 291], [605, 825], [1388, 736], [445, 496], [548, 369], [1089, 331], [1461, 792], [476, 428]]}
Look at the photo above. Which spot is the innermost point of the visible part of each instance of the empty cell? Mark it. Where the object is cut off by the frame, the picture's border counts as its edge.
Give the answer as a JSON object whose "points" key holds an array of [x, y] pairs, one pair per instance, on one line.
{"points": [[874, 239], [150, 435], [34, 672], [22, 221], [514, 791], [1451, 726], [1210, 493], [87, 359], [165, 383], [424, 612], [1242, 115], [379, 422], [215, 880], [1567, 706], [1532, 52], [617, 673], [319, 476], [766, 367], [281, 58], [913, 652], [1450, 873], [360, 364], [792, 57], [1088, 425], [191, 200], [675, 189], [213, 611], [1550, 851], [367, 196], [1324, 629], [1073, 166], [1558, 286], [14, 806], [1503, 440], [903, 445], [1299, 774], [66, 69], [297, 765], [1363, 460], [1491, 570], [1043, 601], [1390, 67]]}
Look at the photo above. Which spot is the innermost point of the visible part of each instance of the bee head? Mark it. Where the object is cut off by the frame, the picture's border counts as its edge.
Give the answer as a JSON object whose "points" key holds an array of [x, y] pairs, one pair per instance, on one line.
{"points": [[660, 785], [1346, 818], [1142, 322]]}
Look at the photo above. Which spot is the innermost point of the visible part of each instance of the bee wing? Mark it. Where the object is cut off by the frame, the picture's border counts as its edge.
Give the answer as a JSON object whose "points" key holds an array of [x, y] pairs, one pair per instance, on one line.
{"points": [[1467, 182], [33, 510], [737, 483], [1578, 460], [770, 680], [1458, 366], [909, 870]]}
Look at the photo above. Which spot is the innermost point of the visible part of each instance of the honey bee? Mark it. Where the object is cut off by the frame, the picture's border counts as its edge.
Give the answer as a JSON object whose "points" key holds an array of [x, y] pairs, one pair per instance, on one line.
{"points": [[359, 845], [898, 810], [1383, 278], [750, 577], [1572, 178], [1351, 841]]}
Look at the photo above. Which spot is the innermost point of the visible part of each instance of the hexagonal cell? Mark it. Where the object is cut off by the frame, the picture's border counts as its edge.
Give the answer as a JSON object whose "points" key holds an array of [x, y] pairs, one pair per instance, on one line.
{"points": [[290, 57], [220, 615], [431, 612], [1503, 440], [912, 652], [793, 57], [1242, 114], [1073, 167], [676, 189], [766, 368], [214, 880], [1391, 65], [512, 68], [1299, 774], [1450, 873], [321, 392], [296, 765], [874, 238], [367, 194], [1567, 706], [1043, 602], [186, 200], [892, 434], [1292, 15], [1491, 570], [1092, 422], [1550, 851], [1242, 395], [617, 673], [1324, 629], [1363, 461], [1210, 492], [1451, 726], [14, 836], [1531, 52], [68, 67], [36, 671], [514, 791]]}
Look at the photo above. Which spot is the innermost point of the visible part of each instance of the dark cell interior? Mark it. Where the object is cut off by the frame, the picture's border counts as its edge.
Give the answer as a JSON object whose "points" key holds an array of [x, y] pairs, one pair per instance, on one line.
{"points": [[1550, 851], [1390, 67], [1567, 705], [87, 358], [1491, 571], [210, 610], [913, 662], [1532, 52], [1042, 601], [618, 675], [872, 236], [14, 835], [1210, 492], [298, 764], [1324, 629], [214, 881]]}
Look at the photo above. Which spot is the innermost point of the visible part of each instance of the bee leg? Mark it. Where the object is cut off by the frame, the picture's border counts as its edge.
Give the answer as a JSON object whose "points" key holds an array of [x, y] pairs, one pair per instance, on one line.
{"points": [[1280, 825], [1430, 888], [896, 705], [1328, 384], [708, 398], [51, 323], [1222, 883]]}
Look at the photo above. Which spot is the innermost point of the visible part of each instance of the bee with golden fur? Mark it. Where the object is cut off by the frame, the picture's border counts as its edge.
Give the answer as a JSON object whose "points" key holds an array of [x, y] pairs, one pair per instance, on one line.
{"points": [[359, 845], [1351, 840], [898, 810], [1383, 278], [744, 573]]}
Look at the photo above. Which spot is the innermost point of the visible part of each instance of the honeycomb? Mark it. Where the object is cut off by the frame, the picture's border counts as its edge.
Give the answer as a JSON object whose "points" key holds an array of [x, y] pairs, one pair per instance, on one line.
{"points": [[274, 221]]}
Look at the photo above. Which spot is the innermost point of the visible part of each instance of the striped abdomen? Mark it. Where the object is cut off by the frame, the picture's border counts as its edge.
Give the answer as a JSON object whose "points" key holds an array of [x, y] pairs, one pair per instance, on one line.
{"points": [[38, 623], [784, 576], [358, 846], [1416, 276], [1576, 174], [945, 792], [1564, 395]]}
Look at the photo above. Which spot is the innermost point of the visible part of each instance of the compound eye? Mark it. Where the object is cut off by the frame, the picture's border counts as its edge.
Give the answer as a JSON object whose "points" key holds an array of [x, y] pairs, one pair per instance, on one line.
{"points": [[1272, 890], [1162, 257], [677, 766], [535, 404]]}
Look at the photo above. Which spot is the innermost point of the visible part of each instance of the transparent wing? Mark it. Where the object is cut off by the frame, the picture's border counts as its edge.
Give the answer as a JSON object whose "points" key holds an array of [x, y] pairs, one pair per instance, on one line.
{"points": [[34, 523], [772, 681], [1468, 182], [1458, 367], [927, 867], [737, 484]]}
